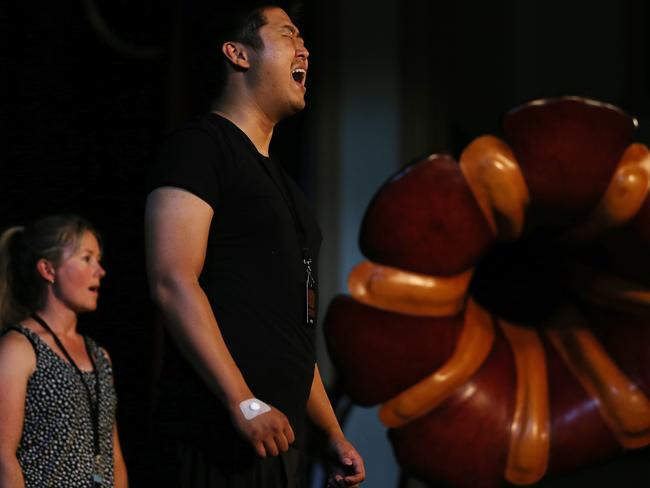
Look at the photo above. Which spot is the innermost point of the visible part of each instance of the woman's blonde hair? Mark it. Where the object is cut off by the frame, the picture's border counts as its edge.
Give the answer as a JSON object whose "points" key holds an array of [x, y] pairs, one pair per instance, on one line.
{"points": [[22, 288]]}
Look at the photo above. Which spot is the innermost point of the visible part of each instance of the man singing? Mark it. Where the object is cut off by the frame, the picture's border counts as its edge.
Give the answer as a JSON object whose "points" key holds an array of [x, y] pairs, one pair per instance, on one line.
{"points": [[232, 250]]}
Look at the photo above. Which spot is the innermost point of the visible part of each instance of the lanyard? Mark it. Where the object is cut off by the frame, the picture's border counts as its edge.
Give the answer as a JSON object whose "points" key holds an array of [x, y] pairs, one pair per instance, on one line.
{"points": [[93, 406], [301, 235]]}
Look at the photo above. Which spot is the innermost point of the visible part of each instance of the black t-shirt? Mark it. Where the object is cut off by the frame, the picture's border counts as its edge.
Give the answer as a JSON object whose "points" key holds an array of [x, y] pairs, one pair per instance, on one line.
{"points": [[253, 274]]}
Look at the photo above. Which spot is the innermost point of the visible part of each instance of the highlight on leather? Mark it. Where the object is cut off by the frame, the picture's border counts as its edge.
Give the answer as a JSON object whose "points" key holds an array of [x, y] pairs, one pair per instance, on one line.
{"points": [[474, 344], [496, 181], [405, 292], [529, 433], [626, 193], [625, 408], [545, 233]]}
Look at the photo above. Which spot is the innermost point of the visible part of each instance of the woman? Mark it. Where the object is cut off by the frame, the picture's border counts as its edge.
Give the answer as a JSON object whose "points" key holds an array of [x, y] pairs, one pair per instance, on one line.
{"points": [[57, 401]]}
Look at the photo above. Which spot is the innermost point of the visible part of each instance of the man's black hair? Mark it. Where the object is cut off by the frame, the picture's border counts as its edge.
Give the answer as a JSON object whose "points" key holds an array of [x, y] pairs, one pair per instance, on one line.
{"points": [[213, 26]]}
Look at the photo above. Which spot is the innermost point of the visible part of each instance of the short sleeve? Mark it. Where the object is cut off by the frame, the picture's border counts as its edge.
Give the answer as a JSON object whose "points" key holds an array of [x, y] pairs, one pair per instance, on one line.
{"points": [[189, 159]]}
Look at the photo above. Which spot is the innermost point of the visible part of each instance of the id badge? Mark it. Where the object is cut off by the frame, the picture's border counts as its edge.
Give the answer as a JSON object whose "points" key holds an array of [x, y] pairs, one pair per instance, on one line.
{"points": [[310, 294], [98, 469]]}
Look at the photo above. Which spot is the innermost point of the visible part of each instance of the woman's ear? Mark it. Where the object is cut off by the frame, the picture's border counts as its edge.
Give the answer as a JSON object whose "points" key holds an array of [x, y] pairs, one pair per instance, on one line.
{"points": [[236, 53], [46, 269]]}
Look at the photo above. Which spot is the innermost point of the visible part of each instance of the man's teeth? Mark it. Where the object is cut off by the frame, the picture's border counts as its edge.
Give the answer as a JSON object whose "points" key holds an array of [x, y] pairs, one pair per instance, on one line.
{"points": [[298, 74]]}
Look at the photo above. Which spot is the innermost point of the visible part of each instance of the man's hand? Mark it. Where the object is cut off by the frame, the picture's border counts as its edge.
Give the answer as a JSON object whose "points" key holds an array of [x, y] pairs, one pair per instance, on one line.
{"points": [[269, 433], [347, 468]]}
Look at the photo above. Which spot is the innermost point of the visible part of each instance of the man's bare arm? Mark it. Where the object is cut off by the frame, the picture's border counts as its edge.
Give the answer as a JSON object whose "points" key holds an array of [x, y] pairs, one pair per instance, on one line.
{"points": [[349, 470], [177, 224]]}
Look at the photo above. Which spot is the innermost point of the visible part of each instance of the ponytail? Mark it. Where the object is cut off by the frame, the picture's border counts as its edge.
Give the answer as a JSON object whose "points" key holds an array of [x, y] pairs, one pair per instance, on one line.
{"points": [[10, 311]]}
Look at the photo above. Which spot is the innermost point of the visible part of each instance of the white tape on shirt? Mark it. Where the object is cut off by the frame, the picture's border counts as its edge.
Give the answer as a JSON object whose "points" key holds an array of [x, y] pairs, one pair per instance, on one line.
{"points": [[253, 407]]}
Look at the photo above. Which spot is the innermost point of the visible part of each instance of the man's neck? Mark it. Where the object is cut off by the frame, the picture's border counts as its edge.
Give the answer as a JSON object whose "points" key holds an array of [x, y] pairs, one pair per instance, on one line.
{"points": [[252, 121]]}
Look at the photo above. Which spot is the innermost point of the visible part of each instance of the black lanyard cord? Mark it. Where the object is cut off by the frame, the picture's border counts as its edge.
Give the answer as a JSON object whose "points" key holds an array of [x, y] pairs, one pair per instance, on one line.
{"points": [[93, 406], [301, 235]]}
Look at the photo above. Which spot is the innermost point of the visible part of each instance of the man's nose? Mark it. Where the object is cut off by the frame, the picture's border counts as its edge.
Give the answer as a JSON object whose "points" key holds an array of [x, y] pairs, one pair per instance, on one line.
{"points": [[301, 49]]}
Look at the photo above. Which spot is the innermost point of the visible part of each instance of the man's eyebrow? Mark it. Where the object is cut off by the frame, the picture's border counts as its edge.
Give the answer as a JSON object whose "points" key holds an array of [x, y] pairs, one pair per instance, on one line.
{"points": [[292, 29]]}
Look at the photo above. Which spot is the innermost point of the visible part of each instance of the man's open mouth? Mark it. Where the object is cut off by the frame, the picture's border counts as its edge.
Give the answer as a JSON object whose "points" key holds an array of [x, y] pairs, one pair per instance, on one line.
{"points": [[299, 74]]}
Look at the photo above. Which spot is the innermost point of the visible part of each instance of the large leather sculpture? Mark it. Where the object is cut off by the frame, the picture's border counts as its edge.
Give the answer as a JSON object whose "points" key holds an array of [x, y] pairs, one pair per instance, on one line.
{"points": [[502, 319]]}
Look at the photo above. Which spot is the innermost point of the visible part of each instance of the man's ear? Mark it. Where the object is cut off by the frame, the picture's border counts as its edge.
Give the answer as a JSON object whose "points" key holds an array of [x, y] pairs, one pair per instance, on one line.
{"points": [[236, 53]]}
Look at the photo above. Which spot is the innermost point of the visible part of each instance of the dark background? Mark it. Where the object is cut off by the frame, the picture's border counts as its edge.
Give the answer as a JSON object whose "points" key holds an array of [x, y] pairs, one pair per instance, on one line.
{"points": [[82, 114]]}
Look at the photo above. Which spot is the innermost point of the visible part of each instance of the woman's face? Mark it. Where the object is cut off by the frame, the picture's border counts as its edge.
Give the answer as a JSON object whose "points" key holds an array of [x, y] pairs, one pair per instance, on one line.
{"points": [[78, 276]]}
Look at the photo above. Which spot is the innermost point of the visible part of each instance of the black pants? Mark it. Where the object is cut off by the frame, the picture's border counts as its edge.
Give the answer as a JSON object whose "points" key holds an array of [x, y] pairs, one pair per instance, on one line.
{"points": [[182, 463]]}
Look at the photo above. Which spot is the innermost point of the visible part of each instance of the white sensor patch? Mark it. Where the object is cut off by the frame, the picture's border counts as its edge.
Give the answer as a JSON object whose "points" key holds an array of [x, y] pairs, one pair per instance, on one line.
{"points": [[253, 407]]}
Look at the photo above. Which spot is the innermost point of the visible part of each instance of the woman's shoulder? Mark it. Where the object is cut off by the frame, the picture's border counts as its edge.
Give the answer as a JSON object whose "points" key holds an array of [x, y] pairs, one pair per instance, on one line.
{"points": [[34, 335], [18, 333], [18, 349]]}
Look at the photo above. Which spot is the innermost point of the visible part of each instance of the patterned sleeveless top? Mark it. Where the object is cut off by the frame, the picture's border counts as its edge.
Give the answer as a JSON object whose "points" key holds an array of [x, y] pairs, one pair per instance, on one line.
{"points": [[56, 448]]}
